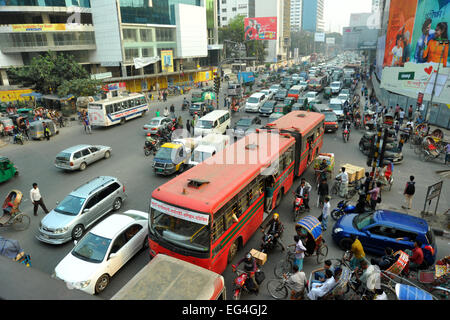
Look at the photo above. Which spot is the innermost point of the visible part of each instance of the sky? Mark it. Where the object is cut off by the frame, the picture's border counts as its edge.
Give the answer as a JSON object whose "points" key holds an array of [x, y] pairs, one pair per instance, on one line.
{"points": [[337, 12]]}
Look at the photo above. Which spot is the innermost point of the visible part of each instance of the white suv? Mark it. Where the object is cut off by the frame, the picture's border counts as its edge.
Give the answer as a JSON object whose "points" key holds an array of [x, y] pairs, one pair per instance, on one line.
{"points": [[254, 102]]}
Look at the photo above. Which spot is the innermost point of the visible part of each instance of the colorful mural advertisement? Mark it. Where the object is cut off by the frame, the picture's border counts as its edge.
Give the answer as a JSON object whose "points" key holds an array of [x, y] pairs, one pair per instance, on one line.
{"points": [[417, 48], [167, 60], [260, 28]]}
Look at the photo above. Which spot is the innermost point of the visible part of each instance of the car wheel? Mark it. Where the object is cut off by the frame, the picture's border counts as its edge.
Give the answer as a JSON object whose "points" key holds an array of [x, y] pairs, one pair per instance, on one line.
{"points": [[101, 283], [117, 204], [83, 166], [77, 232], [107, 154]]}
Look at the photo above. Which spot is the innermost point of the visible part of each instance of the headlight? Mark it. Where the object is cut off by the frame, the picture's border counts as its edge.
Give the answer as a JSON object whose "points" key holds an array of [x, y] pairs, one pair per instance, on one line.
{"points": [[78, 285], [337, 230], [169, 166], [62, 230]]}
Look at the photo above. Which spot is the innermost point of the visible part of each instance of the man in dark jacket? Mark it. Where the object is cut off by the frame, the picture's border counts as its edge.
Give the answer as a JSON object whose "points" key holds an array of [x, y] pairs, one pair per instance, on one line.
{"points": [[323, 191], [409, 191]]}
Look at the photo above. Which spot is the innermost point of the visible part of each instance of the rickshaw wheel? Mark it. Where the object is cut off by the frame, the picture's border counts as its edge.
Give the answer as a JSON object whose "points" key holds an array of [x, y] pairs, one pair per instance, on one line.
{"points": [[322, 253], [277, 289], [281, 268], [390, 292], [21, 222]]}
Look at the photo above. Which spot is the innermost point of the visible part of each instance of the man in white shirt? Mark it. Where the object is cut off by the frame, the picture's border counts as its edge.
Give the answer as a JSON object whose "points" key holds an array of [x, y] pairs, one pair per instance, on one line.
{"points": [[325, 212], [343, 176], [36, 199], [319, 290], [299, 252]]}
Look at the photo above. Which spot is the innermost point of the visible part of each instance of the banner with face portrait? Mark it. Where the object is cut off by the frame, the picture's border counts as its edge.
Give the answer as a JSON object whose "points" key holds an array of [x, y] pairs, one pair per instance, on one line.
{"points": [[260, 28]]}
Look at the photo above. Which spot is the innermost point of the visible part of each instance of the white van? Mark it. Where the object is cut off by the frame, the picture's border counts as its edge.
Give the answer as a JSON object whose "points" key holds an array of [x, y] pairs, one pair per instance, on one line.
{"points": [[217, 121], [255, 101]]}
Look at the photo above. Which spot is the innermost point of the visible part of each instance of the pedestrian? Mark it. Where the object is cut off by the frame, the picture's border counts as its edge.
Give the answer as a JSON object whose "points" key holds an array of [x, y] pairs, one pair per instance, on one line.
{"points": [[401, 115], [357, 251], [36, 199], [326, 213], [323, 191], [343, 176], [87, 126], [367, 182], [179, 123], [194, 120], [172, 110], [157, 113], [410, 112], [409, 191], [166, 111], [165, 95], [188, 126], [375, 195], [46, 131], [396, 127], [397, 111], [401, 142], [299, 251]]}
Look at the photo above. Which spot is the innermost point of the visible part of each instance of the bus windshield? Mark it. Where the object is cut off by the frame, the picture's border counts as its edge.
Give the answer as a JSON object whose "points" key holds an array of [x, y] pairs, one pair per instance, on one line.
{"points": [[180, 232]]}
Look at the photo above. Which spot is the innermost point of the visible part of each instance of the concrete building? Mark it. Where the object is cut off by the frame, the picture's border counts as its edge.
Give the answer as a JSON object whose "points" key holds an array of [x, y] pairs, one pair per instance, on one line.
{"points": [[312, 16], [376, 5], [276, 50], [296, 15], [229, 9]]}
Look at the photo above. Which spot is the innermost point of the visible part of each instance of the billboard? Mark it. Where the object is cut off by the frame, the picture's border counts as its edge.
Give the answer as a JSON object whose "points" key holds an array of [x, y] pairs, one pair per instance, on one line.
{"points": [[167, 60], [416, 41], [359, 38], [260, 28], [319, 37], [331, 40]]}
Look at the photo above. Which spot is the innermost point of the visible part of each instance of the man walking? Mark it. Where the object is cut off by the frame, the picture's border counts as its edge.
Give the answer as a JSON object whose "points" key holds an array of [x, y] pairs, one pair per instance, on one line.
{"points": [[36, 199], [87, 125], [46, 131], [343, 176], [322, 191], [188, 126], [326, 213], [409, 191]]}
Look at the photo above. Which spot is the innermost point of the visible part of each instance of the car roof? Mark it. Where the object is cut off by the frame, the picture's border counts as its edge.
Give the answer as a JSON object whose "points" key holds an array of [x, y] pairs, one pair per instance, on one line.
{"points": [[257, 94], [159, 118], [401, 221], [334, 100], [214, 115], [89, 187], [76, 148], [112, 225]]}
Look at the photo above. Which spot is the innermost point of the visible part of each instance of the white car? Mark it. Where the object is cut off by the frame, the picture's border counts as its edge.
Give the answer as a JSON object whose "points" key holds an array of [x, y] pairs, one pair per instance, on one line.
{"points": [[312, 96], [103, 251], [344, 97], [255, 101], [303, 85], [336, 87], [269, 93]]}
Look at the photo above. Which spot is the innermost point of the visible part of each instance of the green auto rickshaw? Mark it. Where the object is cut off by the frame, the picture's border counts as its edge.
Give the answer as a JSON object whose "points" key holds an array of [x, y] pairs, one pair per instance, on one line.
{"points": [[327, 93], [7, 169], [282, 108]]}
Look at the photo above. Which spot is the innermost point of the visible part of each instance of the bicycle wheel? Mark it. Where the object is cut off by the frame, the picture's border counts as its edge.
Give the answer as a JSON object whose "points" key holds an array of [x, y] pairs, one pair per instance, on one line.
{"points": [[277, 289], [390, 292], [281, 268], [440, 294], [322, 253], [21, 222]]}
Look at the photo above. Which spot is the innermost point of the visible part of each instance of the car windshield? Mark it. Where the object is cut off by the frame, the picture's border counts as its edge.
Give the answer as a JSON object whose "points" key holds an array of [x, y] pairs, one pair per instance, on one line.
{"points": [[311, 95], [269, 104], [195, 106], [164, 154], [200, 156], [181, 232], [63, 156], [335, 85], [282, 92], [197, 94], [363, 220], [294, 91], [303, 83], [330, 117], [71, 205], [91, 248], [205, 124], [253, 100], [244, 122], [154, 123], [335, 106]]}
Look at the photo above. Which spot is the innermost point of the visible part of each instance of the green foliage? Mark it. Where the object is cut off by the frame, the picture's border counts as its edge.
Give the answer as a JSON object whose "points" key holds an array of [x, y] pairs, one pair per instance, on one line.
{"points": [[79, 87], [46, 73]]}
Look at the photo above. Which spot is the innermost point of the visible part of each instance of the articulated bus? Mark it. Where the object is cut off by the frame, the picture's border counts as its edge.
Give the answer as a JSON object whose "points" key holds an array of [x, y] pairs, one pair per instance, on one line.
{"points": [[317, 84], [117, 110], [307, 128], [206, 214]]}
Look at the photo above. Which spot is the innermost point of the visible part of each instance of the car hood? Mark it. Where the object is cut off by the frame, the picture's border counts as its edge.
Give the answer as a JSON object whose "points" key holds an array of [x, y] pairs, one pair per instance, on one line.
{"points": [[55, 220], [241, 128], [345, 222], [73, 269]]}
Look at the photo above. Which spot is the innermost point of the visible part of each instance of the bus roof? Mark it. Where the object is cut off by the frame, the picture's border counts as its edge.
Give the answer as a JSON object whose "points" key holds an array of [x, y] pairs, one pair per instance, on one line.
{"points": [[118, 98], [300, 121], [225, 174], [168, 278]]}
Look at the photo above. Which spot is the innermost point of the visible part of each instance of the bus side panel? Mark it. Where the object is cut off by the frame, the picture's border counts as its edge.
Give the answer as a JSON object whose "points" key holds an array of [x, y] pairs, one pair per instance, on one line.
{"points": [[284, 181], [247, 224]]}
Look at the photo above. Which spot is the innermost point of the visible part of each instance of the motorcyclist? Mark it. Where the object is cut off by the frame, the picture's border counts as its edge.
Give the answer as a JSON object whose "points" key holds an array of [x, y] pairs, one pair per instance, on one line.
{"points": [[275, 227], [250, 268], [303, 191], [172, 109]]}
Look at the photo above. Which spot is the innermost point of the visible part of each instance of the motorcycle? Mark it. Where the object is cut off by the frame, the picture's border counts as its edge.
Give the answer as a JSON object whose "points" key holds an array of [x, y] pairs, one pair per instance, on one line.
{"points": [[357, 123], [268, 241], [346, 132], [185, 105], [343, 208], [240, 283], [299, 206], [151, 146], [19, 138]]}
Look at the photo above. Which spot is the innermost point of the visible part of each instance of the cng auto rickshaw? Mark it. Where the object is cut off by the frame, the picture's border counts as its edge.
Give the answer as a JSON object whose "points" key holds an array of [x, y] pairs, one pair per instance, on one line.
{"points": [[282, 108], [37, 129], [7, 169], [327, 93]]}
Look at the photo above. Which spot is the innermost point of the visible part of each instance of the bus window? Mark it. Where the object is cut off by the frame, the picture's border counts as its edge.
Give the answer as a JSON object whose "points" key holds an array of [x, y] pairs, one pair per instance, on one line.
{"points": [[109, 109], [142, 100], [218, 227], [116, 107], [288, 158]]}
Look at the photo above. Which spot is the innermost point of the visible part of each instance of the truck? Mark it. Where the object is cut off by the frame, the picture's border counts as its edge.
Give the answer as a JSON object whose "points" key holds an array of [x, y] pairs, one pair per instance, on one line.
{"points": [[174, 156], [208, 146], [169, 278], [246, 78]]}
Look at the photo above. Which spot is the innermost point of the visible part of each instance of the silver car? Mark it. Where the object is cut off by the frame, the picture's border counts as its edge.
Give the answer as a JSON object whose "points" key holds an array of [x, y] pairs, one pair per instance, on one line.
{"points": [[80, 156], [156, 124], [81, 209]]}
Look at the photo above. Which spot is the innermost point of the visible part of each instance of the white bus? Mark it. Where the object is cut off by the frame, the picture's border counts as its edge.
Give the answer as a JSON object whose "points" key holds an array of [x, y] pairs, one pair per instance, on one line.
{"points": [[116, 110]]}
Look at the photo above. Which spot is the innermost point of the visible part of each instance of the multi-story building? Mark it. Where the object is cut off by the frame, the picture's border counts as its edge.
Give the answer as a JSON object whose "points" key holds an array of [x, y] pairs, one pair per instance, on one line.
{"points": [[296, 15], [376, 5], [312, 16], [229, 9]]}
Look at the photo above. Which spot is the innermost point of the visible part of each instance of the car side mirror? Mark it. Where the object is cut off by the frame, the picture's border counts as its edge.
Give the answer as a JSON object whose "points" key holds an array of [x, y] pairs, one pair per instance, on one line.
{"points": [[112, 255], [86, 210]]}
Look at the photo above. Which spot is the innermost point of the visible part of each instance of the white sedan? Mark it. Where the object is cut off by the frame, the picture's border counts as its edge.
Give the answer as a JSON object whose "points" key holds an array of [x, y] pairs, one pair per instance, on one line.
{"points": [[103, 251]]}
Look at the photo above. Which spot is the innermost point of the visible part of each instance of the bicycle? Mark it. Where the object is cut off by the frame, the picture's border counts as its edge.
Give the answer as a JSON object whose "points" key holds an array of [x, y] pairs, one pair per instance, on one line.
{"points": [[279, 288], [285, 266]]}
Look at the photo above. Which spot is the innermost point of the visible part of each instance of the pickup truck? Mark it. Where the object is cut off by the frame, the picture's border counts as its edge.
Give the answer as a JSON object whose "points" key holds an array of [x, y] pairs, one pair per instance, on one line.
{"points": [[207, 147]]}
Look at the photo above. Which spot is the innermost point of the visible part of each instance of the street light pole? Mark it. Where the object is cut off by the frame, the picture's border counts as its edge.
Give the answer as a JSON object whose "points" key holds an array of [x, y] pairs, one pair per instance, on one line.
{"points": [[427, 114]]}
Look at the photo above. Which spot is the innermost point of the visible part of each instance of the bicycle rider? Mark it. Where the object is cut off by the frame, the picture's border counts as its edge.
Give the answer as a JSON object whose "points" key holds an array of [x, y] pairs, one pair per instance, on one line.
{"points": [[297, 282]]}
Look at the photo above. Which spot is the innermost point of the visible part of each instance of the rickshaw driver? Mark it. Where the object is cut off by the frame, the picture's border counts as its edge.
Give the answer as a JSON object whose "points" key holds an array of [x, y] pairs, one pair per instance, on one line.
{"points": [[276, 227], [370, 276]]}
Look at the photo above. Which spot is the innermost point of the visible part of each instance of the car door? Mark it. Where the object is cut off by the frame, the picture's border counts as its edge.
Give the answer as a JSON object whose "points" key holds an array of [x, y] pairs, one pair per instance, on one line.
{"points": [[106, 198], [116, 256], [135, 237], [95, 153], [90, 210], [377, 238], [86, 156]]}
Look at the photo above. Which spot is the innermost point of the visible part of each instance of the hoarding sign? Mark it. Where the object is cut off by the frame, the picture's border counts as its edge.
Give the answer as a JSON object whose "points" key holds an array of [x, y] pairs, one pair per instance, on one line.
{"points": [[38, 27], [167, 60], [319, 37], [260, 28], [331, 40]]}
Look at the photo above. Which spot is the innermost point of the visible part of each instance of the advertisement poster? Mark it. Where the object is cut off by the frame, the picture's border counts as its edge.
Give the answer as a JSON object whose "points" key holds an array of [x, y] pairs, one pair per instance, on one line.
{"points": [[400, 29], [167, 60], [260, 28]]}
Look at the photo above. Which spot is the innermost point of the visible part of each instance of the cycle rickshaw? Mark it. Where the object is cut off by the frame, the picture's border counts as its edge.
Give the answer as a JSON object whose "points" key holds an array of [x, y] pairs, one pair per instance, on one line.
{"points": [[12, 216], [310, 228]]}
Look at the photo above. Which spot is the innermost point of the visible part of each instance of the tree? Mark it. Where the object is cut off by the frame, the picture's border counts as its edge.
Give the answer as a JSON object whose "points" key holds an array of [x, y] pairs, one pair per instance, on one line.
{"points": [[47, 72], [79, 87]]}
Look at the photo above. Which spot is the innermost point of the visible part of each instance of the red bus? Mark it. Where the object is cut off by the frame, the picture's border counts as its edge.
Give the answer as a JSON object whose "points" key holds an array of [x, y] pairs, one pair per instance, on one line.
{"points": [[307, 128], [206, 214], [317, 84]]}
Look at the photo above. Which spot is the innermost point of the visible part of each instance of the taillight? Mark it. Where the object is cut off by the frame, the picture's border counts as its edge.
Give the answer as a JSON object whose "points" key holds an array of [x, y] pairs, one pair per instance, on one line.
{"points": [[71, 164], [123, 188]]}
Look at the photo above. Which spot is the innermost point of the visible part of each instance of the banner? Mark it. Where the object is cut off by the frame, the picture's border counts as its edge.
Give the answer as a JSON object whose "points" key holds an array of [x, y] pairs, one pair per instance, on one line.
{"points": [[38, 27], [167, 60], [142, 62], [331, 40], [319, 37], [180, 213], [260, 28]]}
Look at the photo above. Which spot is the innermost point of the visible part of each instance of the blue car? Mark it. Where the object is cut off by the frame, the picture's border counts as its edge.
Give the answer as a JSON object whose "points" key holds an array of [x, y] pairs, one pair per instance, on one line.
{"points": [[380, 229]]}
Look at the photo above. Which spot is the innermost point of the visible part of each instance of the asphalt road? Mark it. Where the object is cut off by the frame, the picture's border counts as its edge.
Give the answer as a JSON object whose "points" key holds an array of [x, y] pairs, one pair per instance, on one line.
{"points": [[35, 159]]}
